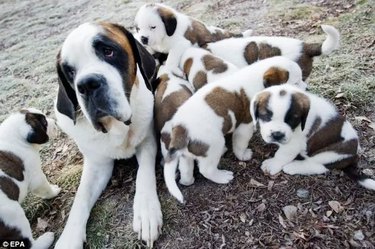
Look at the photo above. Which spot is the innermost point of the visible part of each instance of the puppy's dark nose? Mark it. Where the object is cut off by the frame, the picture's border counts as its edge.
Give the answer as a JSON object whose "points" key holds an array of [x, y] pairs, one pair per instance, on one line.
{"points": [[90, 84], [277, 135], [144, 40]]}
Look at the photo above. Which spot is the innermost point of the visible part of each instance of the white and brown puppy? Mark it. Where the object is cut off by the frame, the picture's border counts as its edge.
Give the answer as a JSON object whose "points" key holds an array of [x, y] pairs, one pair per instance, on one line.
{"points": [[21, 135], [166, 30], [217, 109], [312, 136], [105, 103], [245, 51], [201, 67]]}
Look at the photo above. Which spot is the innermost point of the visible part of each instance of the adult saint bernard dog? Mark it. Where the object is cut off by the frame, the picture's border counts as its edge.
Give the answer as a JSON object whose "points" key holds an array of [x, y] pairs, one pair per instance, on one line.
{"points": [[105, 103]]}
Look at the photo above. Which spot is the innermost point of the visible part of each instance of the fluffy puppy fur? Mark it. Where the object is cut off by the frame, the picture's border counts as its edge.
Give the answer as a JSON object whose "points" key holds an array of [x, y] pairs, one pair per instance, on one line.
{"points": [[245, 51], [311, 141], [20, 173], [166, 30], [217, 109], [200, 67]]}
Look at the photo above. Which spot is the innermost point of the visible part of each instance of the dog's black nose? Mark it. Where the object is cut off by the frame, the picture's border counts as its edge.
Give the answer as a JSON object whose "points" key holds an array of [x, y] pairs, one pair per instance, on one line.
{"points": [[90, 84], [277, 135], [144, 40]]}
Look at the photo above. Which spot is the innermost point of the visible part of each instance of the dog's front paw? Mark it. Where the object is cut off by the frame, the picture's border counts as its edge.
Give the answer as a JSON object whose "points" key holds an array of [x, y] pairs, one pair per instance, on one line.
{"points": [[70, 238], [53, 191], [187, 181], [291, 168], [271, 166], [148, 219], [44, 241], [244, 155]]}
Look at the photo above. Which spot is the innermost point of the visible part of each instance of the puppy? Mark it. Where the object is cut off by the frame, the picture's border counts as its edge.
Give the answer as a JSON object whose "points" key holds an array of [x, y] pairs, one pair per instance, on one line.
{"points": [[166, 30], [312, 136], [245, 51], [20, 172], [217, 109], [200, 67]]}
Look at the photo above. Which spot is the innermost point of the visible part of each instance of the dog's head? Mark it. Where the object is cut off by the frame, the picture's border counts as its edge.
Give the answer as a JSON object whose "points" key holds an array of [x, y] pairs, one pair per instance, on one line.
{"points": [[30, 125], [154, 22], [97, 70], [281, 111]]}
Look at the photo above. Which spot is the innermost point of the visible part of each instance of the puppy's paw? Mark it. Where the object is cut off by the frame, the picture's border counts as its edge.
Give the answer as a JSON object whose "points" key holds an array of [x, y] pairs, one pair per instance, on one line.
{"points": [[271, 166], [291, 168], [187, 181], [221, 176], [44, 241], [53, 192], [244, 155], [148, 219]]}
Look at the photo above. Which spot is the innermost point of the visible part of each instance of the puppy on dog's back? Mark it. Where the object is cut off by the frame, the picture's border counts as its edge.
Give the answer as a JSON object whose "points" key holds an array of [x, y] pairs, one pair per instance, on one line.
{"points": [[217, 109], [20, 172]]}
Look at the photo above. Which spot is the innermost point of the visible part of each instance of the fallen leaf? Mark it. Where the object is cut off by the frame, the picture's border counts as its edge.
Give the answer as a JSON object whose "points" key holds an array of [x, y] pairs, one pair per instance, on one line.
{"points": [[255, 183], [41, 225], [336, 206], [281, 221], [261, 207], [290, 212], [270, 185], [243, 217], [329, 213]]}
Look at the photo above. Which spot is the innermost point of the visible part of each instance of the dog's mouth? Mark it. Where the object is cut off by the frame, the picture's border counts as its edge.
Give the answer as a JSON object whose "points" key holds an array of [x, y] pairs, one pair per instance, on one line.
{"points": [[105, 122]]}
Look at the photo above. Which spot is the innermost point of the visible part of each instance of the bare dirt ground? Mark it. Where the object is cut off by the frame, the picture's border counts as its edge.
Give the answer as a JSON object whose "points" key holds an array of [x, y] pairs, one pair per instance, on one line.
{"points": [[332, 211]]}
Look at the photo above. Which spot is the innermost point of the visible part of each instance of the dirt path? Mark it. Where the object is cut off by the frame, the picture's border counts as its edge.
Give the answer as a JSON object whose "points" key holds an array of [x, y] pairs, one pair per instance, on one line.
{"points": [[246, 213]]}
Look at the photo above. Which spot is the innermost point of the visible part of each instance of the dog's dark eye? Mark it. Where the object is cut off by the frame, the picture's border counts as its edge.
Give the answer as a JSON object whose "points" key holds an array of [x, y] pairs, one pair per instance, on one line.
{"points": [[108, 52], [71, 73], [152, 27], [266, 116]]}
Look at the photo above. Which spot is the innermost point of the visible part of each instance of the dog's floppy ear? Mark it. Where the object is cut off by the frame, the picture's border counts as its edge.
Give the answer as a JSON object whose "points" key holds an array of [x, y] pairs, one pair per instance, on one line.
{"points": [[38, 123], [169, 20], [143, 58], [67, 102], [275, 76], [304, 104]]}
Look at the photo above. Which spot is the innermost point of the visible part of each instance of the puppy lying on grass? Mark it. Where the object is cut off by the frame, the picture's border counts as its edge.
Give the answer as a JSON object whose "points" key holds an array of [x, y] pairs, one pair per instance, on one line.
{"points": [[312, 136], [219, 108], [20, 173]]}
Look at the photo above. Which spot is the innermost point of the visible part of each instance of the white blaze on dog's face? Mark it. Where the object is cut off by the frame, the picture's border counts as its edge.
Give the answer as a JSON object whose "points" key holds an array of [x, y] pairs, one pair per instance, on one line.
{"points": [[97, 62], [154, 22], [281, 111]]}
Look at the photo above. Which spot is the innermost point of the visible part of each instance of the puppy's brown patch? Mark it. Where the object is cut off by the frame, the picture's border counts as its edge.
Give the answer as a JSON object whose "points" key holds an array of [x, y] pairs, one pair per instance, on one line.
{"points": [[200, 79], [197, 33], [116, 34], [223, 101], [169, 19], [198, 148], [166, 107], [9, 188], [179, 138], [298, 110], [166, 139], [326, 136], [12, 233], [251, 53], [187, 67], [309, 50], [347, 148], [275, 76], [11, 165], [39, 125], [215, 64], [261, 104], [315, 126]]}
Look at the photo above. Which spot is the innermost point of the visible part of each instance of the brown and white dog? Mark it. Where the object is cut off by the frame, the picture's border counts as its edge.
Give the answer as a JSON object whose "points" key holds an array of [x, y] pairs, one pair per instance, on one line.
{"points": [[105, 103], [166, 30], [217, 109], [312, 136], [201, 67], [247, 50], [21, 135]]}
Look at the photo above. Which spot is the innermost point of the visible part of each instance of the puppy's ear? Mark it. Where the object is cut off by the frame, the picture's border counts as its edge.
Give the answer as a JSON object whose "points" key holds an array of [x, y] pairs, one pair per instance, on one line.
{"points": [[143, 58], [169, 20], [67, 102], [304, 104], [38, 123], [275, 76], [254, 110]]}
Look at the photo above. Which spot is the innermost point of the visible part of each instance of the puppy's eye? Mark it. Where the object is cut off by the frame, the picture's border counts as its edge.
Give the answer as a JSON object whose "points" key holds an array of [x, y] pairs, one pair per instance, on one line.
{"points": [[108, 52], [137, 29], [152, 27], [70, 72]]}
